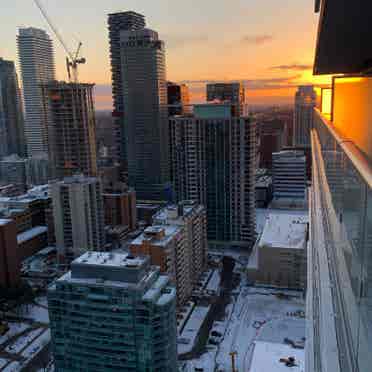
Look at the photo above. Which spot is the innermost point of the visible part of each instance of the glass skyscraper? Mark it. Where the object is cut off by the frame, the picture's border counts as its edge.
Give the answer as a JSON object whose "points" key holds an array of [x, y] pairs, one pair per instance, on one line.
{"points": [[36, 57], [146, 114]]}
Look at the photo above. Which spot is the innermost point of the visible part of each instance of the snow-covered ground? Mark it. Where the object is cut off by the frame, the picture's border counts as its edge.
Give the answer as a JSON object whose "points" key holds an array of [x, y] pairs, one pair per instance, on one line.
{"points": [[37, 344], [185, 314], [17, 346], [260, 315], [188, 336], [26, 346], [257, 315], [12, 367], [267, 356], [35, 312], [205, 278], [2, 363], [214, 282], [14, 329]]}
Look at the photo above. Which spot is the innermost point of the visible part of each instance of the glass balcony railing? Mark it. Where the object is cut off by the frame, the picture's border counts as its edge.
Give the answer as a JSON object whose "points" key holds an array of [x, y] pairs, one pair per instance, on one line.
{"points": [[341, 252]]}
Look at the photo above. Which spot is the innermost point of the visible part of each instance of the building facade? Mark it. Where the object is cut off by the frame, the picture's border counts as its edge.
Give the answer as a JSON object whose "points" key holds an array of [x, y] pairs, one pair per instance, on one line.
{"points": [[10, 266], [25, 172], [70, 121], [13, 171], [340, 267], [305, 100], [21, 216], [167, 248], [213, 163], [229, 92], [36, 58], [120, 207], [289, 175], [279, 256], [35, 205], [193, 218], [32, 241], [146, 114], [38, 170], [117, 22], [339, 295], [12, 136], [178, 99], [113, 312], [78, 215]]}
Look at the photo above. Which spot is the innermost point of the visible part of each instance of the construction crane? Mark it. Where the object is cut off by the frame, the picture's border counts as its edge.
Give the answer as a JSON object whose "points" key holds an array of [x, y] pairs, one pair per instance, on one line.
{"points": [[72, 60]]}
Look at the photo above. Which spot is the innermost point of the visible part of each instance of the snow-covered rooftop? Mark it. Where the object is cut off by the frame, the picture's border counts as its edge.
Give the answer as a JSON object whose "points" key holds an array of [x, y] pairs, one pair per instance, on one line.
{"points": [[284, 230], [109, 259], [170, 213], [267, 355], [31, 233], [4, 221], [169, 233]]}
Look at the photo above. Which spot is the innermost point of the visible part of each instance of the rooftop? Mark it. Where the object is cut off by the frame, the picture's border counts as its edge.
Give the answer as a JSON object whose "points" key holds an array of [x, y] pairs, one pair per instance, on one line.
{"points": [[289, 154], [284, 231], [109, 259], [171, 213], [76, 179], [264, 181], [109, 269], [169, 232], [267, 355], [31, 233], [4, 221]]}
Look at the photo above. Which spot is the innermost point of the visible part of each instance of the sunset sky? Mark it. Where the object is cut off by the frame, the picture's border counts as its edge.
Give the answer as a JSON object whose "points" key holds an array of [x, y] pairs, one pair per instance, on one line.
{"points": [[268, 44]]}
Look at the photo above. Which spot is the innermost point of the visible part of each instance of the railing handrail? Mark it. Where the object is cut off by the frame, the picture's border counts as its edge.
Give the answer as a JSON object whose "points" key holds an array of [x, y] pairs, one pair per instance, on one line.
{"points": [[356, 157]]}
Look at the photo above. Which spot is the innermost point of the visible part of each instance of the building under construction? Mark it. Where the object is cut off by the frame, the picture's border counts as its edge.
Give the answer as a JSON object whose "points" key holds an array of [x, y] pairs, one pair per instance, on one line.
{"points": [[70, 122]]}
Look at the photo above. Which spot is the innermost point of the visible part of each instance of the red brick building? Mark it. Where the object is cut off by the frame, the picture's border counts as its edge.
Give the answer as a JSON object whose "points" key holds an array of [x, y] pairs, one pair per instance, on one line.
{"points": [[10, 267]]}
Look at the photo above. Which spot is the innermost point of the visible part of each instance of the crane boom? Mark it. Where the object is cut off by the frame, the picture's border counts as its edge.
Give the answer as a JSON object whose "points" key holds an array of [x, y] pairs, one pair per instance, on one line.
{"points": [[54, 29], [72, 60]]}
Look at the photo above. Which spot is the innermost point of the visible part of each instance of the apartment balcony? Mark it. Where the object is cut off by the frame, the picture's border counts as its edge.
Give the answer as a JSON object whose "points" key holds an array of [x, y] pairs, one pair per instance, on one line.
{"points": [[339, 296]]}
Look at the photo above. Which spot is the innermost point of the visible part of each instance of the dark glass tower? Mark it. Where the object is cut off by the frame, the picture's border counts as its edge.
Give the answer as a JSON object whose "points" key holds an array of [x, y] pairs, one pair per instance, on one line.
{"points": [[12, 138], [117, 22], [144, 92]]}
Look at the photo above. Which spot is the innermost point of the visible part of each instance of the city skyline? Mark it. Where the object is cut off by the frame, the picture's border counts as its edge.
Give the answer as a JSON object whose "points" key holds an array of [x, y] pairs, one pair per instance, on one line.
{"points": [[261, 48]]}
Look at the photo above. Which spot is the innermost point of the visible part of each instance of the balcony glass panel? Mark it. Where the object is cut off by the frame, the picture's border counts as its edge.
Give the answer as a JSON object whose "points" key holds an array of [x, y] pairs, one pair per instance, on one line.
{"points": [[347, 198]]}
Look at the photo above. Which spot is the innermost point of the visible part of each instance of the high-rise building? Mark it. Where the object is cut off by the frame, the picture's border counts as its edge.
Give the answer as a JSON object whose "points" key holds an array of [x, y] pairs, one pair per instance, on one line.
{"points": [[233, 93], [38, 170], [25, 172], [78, 215], [113, 312], [10, 266], [279, 256], [178, 99], [303, 115], [167, 248], [120, 206], [339, 293], [70, 121], [271, 135], [12, 137], [13, 171], [117, 22], [289, 175], [36, 58], [193, 218], [213, 162], [145, 115]]}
